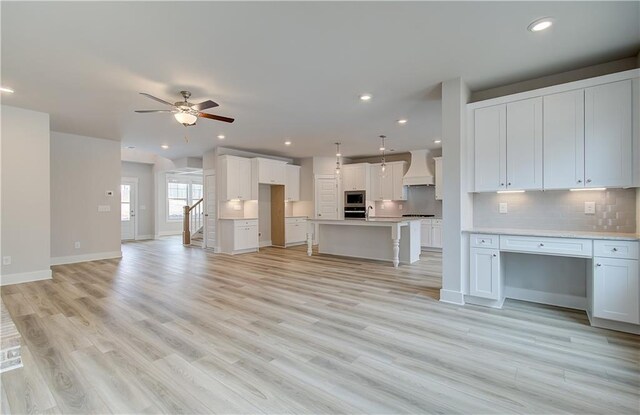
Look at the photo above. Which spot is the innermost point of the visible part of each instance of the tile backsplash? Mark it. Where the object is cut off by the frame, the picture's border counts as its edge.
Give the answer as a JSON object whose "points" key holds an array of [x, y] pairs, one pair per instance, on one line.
{"points": [[420, 199], [558, 210]]}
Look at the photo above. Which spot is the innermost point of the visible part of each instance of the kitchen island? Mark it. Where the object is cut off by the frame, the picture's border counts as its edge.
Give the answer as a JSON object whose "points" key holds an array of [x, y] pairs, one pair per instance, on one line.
{"points": [[384, 239]]}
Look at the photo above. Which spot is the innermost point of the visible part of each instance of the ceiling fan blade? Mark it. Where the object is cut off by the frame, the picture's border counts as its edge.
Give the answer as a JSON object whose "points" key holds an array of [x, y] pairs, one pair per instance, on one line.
{"points": [[215, 117], [145, 111], [156, 99], [204, 105]]}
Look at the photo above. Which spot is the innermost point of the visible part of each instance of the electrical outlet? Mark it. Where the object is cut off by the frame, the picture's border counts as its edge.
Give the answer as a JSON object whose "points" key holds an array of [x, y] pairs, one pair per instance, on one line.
{"points": [[400, 206], [503, 207], [589, 208], [104, 208], [77, 245], [6, 260], [382, 206]]}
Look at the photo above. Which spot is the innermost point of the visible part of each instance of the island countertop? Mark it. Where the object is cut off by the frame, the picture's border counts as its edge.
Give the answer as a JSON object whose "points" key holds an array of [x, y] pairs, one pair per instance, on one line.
{"points": [[364, 222]]}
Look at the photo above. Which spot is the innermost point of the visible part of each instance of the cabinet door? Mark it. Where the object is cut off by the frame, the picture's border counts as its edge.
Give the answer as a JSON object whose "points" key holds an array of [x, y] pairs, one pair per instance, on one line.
{"points": [[243, 178], [436, 236], [425, 233], [524, 144], [386, 183], [490, 148], [563, 140], [375, 193], [485, 273], [292, 184], [608, 152], [347, 178], [360, 178], [438, 161], [398, 190], [251, 237], [615, 289], [239, 238], [278, 173]]}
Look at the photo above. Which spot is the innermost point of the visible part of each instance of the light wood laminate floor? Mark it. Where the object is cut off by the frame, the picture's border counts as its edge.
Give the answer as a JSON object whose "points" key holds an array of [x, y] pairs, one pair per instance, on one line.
{"points": [[180, 330]]}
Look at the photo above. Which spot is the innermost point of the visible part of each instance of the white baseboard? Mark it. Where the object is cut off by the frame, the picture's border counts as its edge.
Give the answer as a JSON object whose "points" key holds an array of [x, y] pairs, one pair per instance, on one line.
{"points": [[61, 260], [485, 302], [144, 237], [452, 297], [168, 233], [265, 243], [20, 277], [613, 325], [541, 297]]}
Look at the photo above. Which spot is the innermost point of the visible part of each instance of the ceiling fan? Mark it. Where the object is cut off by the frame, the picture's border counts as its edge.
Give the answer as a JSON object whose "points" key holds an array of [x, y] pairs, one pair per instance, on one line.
{"points": [[185, 112]]}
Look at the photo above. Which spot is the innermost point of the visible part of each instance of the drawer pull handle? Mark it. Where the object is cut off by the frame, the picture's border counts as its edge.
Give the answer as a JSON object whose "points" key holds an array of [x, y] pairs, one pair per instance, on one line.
{"points": [[615, 249]]}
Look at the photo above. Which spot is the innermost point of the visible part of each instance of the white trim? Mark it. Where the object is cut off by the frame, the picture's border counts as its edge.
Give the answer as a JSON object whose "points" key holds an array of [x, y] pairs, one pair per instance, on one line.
{"points": [[452, 297], [20, 277], [485, 302], [613, 325], [167, 233], [541, 297], [129, 180], [262, 244], [62, 260], [554, 89], [144, 237]]}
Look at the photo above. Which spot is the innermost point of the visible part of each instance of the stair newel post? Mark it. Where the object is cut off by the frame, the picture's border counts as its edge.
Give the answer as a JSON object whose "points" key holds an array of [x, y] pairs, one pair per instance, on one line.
{"points": [[186, 232]]}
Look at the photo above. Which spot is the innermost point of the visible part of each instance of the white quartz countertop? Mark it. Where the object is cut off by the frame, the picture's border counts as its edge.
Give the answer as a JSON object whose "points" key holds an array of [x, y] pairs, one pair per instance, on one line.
{"points": [[365, 222], [557, 234]]}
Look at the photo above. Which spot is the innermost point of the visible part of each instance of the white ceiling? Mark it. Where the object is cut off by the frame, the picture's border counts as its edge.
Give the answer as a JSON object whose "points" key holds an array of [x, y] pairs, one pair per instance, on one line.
{"points": [[287, 70]]}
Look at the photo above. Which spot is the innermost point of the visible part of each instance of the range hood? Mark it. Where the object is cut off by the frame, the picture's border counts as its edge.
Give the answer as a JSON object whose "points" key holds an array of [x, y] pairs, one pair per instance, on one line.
{"points": [[419, 173]]}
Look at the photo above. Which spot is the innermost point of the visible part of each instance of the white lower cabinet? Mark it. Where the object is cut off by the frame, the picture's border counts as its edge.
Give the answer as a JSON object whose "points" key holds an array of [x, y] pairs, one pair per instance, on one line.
{"points": [[615, 289], [431, 233], [295, 231], [485, 273], [238, 235]]}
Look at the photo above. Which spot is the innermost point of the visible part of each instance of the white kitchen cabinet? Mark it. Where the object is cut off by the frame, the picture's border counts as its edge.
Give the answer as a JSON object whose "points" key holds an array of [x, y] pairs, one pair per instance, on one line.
{"points": [[270, 171], [615, 289], [490, 147], [431, 233], [295, 231], [438, 170], [484, 277], [524, 145], [387, 185], [292, 183], [608, 155], [355, 177], [238, 235], [235, 178]]}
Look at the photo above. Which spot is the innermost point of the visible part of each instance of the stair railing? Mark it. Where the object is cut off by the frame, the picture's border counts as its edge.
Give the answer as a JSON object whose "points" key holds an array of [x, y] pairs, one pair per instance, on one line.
{"points": [[192, 221]]}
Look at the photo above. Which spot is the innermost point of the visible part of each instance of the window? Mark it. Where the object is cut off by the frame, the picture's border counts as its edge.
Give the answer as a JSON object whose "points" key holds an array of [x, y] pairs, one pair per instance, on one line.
{"points": [[125, 205], [181, 192]]}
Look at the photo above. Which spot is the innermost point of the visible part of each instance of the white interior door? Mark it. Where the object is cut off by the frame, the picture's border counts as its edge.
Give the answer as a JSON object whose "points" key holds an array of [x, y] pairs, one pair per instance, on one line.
{"points": [[326, 192], [210, 213], [128, 208]]}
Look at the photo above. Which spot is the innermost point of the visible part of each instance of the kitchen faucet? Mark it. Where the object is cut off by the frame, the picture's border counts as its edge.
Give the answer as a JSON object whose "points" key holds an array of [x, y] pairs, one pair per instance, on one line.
{"points": [[366, 215]]}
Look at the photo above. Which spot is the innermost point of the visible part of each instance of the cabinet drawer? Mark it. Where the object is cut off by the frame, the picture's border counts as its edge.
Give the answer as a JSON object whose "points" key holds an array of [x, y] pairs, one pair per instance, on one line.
{"points": [[547, 246], [295, 220], [616, 249], [478, 240], [245, 223]]}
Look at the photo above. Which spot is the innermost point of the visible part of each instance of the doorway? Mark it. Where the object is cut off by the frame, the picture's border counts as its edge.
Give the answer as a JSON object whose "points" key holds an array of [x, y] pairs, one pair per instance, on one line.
{"points": [[128, 208], [326, 196]]}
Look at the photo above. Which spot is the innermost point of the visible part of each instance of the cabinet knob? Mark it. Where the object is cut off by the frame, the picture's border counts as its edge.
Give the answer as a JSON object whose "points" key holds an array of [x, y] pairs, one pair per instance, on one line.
{"points": [[579, 181], [588, 180], [509, 184], [501, 184], [598, 265], [615, 249], [482, 241], [541, 245], [495, 255]]}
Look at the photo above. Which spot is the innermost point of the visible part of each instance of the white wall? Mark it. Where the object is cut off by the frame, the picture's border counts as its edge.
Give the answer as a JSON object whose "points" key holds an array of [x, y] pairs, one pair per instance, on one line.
{"points": [[25, 223], [146, 196], [457, 203], [83, 169]]}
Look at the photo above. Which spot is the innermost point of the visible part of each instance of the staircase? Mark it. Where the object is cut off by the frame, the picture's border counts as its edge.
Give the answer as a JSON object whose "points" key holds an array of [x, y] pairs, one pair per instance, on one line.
{"points": [[193, 224]]}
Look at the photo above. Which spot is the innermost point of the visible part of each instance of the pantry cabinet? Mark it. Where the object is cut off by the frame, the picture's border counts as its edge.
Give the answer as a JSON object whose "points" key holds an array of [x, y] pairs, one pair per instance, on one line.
{"points": [[292, 183], [234, 178], [270, 171]]}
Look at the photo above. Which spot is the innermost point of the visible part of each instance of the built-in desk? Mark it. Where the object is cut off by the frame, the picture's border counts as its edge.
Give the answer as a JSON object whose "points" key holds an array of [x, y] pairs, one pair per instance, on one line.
{"points": [[612, 294]]}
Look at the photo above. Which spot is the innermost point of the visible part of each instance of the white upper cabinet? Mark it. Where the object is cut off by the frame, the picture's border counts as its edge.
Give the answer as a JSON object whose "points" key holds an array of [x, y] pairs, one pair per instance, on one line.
{"points": [[608, 121], [270, 171], [235, 178], [438, 169], [564, 140], [355, 176], [387, 185], [490, 130], [292, 184], [524, 144]]}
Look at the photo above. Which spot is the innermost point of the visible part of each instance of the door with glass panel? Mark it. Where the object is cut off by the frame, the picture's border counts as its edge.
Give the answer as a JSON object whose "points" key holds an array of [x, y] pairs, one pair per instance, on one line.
{"points": [[128, 199]]}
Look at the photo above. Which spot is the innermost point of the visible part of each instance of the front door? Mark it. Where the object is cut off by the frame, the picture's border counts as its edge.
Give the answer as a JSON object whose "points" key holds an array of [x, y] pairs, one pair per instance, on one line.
{"points": [[128, 199], [210, 216]]}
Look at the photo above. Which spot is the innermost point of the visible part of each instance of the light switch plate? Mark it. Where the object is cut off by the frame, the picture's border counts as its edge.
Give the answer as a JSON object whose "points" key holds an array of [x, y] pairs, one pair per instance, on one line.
{"points": [[589, 208], [104, 208], [400, 206], [503, 207], [76, 245]]}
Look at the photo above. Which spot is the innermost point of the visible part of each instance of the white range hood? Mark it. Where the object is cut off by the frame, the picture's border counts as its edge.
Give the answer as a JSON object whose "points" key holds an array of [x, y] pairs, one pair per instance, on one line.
{"points": [[419, 173]]}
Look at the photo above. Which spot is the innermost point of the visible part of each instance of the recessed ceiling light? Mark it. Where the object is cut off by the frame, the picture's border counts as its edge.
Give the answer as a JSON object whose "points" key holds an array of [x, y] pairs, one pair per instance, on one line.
{"points": [[221, 137], [5, 89], [164, 146], [540, 24], [437, 141], [365, 97], [402, 121], [287, 143]]}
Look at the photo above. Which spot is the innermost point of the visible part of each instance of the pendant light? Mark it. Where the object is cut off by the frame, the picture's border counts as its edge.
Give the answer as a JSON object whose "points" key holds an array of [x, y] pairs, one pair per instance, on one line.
{"points": [[338, 155], [383, 166]]}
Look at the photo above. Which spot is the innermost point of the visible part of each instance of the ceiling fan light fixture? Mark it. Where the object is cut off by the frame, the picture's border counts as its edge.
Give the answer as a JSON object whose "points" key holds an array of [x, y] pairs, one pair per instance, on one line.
{"points": [[185, 118]]}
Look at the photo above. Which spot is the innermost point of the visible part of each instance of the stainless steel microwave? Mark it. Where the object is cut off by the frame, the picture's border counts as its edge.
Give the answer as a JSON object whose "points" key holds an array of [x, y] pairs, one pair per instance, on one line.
{"points": [[355, 199]]}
